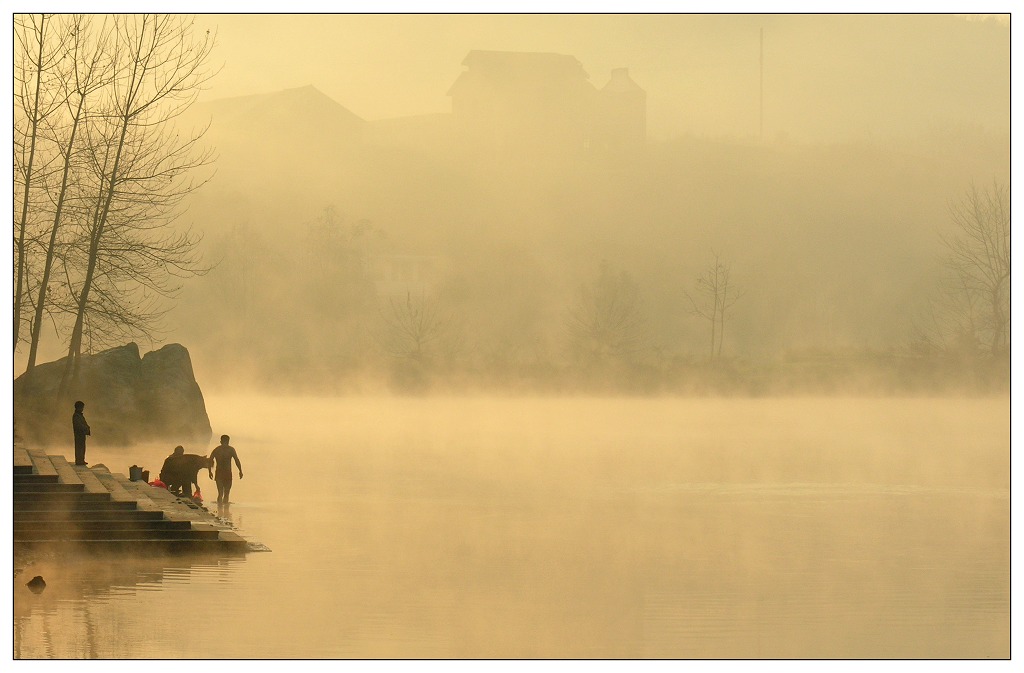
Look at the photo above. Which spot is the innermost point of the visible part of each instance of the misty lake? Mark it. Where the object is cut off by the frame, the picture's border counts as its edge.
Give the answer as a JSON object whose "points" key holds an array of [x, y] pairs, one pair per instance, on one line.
{"points": [[571, 528]]}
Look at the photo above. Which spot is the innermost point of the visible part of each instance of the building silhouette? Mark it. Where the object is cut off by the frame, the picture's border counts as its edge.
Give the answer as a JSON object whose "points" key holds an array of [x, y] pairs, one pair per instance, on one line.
{"points": [[519, 103], [621, 121]]}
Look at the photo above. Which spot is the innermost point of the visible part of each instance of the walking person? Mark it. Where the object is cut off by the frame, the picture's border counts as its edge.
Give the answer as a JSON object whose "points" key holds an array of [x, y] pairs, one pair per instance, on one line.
{"points": [[222, 456], [81, 429]]}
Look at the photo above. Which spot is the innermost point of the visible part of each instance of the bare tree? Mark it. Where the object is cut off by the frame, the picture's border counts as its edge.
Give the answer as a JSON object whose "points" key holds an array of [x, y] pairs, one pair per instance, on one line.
{"points": [[715, 295], [976, 287], [140, 170], [85, 73], [338, 258], [244, 257], [606, 322], [413, 326], [40, 48]]}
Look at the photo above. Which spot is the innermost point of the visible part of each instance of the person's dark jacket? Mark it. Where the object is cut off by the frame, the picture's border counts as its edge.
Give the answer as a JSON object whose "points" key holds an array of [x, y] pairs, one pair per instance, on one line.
{"points": [[79, 425]]}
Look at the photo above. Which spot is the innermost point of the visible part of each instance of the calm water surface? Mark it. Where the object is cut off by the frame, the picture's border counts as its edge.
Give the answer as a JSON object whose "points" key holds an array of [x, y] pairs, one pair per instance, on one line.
{"points": [[578, 528]]}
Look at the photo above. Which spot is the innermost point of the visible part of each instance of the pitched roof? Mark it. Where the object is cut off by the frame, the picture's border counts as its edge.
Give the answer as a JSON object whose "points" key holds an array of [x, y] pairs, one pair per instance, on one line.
{"points": [[514, 69], [621, 82], [524, 59]]}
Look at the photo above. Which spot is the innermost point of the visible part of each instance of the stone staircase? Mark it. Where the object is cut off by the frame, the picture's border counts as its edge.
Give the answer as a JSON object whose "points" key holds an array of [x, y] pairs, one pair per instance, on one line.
{"points": [[59, 505]]}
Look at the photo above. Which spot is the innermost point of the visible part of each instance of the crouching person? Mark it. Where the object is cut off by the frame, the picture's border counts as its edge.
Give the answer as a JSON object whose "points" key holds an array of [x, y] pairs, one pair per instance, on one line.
{"points": [[181, 472], [171, 472]]}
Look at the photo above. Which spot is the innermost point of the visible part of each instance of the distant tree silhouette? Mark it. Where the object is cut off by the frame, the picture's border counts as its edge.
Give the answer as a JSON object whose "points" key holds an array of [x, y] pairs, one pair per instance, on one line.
{"points": [[714, 294], [606, 321], [339, 257], [414, 325], [972, 313]]}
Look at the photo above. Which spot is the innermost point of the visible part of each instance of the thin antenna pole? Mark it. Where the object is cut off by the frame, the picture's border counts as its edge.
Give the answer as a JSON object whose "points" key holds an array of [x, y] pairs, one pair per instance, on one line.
{"points": [[760, 133]]}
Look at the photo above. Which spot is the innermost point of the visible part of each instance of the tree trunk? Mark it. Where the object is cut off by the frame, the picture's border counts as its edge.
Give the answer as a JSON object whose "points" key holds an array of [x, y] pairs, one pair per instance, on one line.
{"points": [[998, 320], [75, 346], [721, 332], [23, 223], [37, 322]]}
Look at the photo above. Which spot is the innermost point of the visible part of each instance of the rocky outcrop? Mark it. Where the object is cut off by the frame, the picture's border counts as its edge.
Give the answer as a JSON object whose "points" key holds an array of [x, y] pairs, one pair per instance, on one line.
{"points": [[128, 399]]}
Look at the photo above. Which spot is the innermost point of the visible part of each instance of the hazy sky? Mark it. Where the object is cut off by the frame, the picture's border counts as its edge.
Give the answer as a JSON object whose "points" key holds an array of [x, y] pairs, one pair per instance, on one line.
{"points": [[825, 76]]}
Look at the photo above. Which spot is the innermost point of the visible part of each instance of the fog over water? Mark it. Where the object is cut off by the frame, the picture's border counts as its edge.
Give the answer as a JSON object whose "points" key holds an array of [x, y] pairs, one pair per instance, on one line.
{"points": [[571, 336], [680, 528]]}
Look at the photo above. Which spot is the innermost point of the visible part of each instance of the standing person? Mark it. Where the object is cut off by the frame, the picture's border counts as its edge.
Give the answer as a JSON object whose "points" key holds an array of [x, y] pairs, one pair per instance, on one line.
{"points": [[81, 429], [222, 455]]}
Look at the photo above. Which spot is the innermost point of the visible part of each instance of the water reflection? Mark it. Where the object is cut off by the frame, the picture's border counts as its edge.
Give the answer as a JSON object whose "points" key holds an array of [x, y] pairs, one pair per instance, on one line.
{"points": [[77, 615], [224, 512]]}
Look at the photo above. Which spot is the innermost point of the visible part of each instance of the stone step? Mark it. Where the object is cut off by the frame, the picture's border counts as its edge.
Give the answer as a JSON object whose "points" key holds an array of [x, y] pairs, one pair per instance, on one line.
{"points": [[144, 503], [87, 514], [66, 472], [41, 463], [68, 501], [233, 537], [35, 479], [162, 495], [36, 486], [205, 528], [74, 533], [92, 483], [92, 509], [143, 493], [152, 497], [104, 524], [142, 547], [178, 507], [22, 461], [59, 493], [112, 482]]}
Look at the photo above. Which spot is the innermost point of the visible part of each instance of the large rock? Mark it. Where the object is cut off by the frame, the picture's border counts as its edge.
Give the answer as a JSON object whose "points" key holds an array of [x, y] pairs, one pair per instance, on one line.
{"points": [[128, 399]]}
